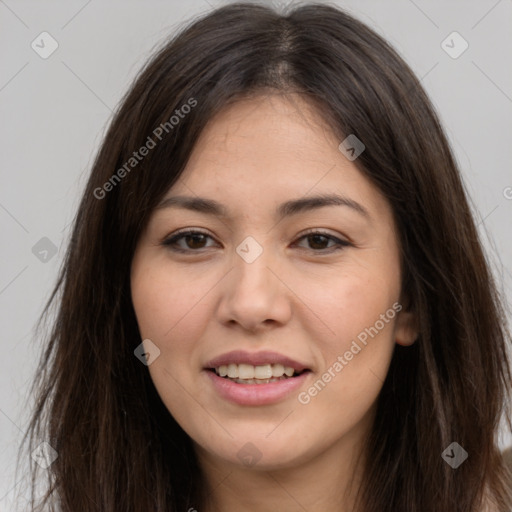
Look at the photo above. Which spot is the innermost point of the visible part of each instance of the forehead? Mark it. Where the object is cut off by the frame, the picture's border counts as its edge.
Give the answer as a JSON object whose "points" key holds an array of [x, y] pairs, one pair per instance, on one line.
{"points": [[267, 149], [265, 129]]}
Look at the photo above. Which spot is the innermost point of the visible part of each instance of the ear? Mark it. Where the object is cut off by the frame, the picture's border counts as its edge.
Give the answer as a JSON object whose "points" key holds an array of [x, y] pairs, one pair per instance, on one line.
{"points": [[406, 327]]}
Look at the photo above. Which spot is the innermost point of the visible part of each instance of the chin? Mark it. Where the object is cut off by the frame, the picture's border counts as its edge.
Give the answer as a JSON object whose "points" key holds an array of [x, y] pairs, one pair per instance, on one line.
{"points": [[260, 453]]}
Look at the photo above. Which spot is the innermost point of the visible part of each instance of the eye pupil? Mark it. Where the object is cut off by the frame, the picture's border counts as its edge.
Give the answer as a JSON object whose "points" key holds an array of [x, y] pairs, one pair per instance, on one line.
{"points": [[195, 237], [318, 239]]}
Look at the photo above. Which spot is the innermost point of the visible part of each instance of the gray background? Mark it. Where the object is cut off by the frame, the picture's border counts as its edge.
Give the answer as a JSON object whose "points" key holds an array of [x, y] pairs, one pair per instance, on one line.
{"points": [[54, 113]]}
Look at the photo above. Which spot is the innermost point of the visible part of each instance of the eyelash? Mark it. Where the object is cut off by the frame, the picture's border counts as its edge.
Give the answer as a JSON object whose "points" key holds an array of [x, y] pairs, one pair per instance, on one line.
{"points": [[171, 241]]}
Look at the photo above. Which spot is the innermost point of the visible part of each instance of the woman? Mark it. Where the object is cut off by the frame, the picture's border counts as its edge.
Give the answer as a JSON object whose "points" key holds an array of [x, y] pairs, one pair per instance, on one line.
{"points": [[275, 295]]}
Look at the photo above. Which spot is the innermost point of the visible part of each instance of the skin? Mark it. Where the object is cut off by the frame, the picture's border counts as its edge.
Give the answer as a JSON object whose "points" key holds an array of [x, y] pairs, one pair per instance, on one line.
{"points": [[300, 298]]}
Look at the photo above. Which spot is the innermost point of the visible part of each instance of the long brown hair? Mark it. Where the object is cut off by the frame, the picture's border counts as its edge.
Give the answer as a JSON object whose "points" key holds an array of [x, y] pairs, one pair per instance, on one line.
{"points": [[118, 446]]}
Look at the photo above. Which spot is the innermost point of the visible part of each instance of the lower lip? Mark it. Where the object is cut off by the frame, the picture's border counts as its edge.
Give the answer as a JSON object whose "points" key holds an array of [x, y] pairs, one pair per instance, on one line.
{"points": [[256, 394]]}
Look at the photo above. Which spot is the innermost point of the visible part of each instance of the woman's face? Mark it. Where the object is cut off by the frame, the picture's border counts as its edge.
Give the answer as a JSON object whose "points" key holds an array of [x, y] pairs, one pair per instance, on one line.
{"points": [[273, 280]]}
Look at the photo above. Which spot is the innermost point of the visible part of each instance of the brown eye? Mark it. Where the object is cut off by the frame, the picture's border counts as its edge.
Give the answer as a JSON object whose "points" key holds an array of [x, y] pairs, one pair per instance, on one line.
{"points": [[193, 241], [318, 242]]}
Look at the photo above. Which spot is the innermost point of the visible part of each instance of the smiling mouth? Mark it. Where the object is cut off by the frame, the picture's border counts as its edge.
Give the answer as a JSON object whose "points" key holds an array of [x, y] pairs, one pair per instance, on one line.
{"points": [[262, 374]]}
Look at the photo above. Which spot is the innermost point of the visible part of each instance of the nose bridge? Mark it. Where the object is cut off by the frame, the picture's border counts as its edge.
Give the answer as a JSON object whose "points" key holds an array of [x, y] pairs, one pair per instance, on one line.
{"points": [[252, 266], [253, 294]]}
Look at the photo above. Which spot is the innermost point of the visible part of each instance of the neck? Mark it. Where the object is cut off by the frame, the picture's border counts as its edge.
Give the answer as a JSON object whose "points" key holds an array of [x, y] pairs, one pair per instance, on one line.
{"points": [[327, 481]]}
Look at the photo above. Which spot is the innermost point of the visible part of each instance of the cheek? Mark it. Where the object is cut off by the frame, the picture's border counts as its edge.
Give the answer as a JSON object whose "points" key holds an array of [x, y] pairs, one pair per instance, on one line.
{"points": [[360, 310], [353, 302], [170, 313], [167, 304]]}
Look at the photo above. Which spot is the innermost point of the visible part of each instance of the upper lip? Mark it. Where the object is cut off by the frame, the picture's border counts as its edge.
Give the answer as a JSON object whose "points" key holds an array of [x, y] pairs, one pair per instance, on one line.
{"points": [[256, 359]]}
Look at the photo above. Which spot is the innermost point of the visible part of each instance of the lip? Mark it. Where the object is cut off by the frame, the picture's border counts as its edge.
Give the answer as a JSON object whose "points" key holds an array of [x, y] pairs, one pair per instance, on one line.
{"points": [[256, 359], [256, 394]]}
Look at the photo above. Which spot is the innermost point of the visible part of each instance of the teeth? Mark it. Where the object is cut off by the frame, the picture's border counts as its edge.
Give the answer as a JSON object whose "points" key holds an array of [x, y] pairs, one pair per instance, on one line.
{"points": [[259, 381], [248, 372], [277, 370], [263, 372], [232, 371], [245, 371]]}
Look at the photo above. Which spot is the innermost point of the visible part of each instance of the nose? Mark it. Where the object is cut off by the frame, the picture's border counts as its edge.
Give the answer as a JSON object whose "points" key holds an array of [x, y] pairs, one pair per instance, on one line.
{"points": [[254, 295]]}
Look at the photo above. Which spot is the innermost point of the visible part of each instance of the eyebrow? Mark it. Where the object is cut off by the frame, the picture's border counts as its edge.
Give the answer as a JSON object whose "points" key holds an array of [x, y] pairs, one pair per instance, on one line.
{"points": [[289, 208]]}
